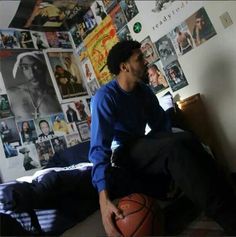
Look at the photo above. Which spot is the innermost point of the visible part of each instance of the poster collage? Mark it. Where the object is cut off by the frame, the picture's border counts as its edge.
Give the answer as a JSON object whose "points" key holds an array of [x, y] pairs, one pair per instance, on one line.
{"points": [[48, 78]]}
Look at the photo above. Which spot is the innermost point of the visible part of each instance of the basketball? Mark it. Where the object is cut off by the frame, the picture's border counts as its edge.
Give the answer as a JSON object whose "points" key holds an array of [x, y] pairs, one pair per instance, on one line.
{"points": [[142, 216]]}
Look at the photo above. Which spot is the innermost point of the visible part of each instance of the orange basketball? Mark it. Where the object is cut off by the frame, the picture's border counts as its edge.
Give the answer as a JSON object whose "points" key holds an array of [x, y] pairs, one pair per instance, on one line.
{"points": [[142, 216]]}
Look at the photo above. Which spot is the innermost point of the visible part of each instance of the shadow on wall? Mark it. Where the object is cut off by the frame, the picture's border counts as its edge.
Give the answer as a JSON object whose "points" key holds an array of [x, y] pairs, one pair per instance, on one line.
{"points": [[218, 97]]}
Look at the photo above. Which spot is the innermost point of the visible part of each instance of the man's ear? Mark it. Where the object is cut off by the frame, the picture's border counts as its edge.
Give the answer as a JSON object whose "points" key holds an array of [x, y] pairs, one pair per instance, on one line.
{"points": [[123, 67]]}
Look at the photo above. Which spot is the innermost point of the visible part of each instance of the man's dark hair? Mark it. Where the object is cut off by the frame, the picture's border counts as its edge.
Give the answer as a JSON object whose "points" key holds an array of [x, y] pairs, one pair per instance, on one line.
{"points": [[120, 53], [43, 121]]}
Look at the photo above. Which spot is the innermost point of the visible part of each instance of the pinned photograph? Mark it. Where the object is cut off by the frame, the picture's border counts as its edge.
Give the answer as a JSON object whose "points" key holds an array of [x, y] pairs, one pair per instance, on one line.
{"points": [[75, 34], [109, 5], [124, 34], [70, 112], [156, 76], [9, 39], [25, 39], [89, 21], [67, 74], [166, 50], [175, 76], [5, 109], [44, 129], [118, 17], [30, 157], [39, 40], [59, 125], [27, 131], [64, 40], [45, 152], [59, 143], [28, 84], [73, 139], [98, 10], [88, 70], [129, 8], [82, 109], [10, 137], [84, 131], [52, 39], [181, 39], [200, 26], [149, 50], [93, 86]]}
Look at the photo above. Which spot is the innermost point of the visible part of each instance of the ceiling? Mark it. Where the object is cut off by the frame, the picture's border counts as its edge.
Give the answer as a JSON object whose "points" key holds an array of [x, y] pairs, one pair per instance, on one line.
{"points": [[9, 8]]}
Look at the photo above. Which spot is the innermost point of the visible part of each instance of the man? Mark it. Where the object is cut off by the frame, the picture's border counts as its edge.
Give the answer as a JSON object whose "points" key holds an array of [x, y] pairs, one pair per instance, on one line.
{"points": [[175, 74], [157, 80], [184, 41], [32, 94], [71, 115], [125, 160]]}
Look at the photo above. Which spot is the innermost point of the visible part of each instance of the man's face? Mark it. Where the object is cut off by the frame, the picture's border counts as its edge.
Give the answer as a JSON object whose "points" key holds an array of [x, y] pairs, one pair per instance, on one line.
{"points": [[172, 73], [138, 65], [32, 70], [44, 128], [200, 22], [153, 75]]}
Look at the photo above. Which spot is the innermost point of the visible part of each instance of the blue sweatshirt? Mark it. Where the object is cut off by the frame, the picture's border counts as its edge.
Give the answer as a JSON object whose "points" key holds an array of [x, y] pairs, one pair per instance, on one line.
{"points": [[118, 116]]}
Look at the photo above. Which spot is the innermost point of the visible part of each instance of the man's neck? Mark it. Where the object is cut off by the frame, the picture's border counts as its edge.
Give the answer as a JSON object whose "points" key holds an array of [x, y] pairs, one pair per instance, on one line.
{"points": [[127, 84]]}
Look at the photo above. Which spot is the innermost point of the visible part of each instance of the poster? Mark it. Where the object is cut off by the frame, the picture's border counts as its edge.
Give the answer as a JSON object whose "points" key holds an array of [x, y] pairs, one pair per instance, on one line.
{"points": [[67, 75], [98, 44]]}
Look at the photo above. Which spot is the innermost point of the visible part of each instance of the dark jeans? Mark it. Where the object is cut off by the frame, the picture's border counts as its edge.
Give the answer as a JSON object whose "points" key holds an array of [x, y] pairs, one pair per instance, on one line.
{"points": [[148, 164]]}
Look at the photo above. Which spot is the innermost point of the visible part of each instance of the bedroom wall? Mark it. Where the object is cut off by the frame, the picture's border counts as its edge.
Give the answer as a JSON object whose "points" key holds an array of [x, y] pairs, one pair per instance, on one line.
{"points": [[209, 69]]}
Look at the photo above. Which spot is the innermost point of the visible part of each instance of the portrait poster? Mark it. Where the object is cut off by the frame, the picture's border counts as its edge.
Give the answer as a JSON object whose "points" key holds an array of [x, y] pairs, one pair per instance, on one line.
{"points": [[84, 131], [10, 137], [64, 40], [44, 129], [66, 74], [59, 125], [82, 52], [149, 50], [98, 44], [70, 112], [166, 50], [52, 39], [27, 131], [157, 78], [181, 39], [200, 26], [175, 76], [28, 84]]}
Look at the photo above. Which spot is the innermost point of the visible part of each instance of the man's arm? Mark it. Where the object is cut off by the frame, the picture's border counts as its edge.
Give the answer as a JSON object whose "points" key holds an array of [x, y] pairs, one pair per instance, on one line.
{"points": [[102, 129]]}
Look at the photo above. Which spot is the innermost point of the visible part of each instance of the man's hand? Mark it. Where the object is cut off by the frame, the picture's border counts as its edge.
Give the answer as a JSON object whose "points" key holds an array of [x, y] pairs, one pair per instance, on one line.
{"points": [[109, 212]]}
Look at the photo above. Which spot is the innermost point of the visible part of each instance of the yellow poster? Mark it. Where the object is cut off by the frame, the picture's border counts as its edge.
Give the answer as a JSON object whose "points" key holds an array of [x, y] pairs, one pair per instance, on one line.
{"points": [[98, 44]]}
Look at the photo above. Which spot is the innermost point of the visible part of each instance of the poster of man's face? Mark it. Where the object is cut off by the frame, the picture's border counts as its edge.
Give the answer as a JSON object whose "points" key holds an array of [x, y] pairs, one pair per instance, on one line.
{"points": [[28, 84], [200, 26], [67, 75], [166, 50], [175, 76]]}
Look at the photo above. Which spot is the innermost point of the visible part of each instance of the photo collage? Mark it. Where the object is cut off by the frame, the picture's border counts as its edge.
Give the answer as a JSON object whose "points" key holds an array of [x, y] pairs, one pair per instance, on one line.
{"points": [[49, 77]]}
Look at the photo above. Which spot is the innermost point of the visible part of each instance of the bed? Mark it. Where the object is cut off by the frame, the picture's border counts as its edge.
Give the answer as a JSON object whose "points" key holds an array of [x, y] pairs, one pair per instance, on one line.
{"points": [[61, 201]]}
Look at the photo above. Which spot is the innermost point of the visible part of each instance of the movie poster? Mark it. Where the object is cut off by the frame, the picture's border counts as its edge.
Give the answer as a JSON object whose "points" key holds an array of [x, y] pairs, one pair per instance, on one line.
{"points": [[98, 44]]}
